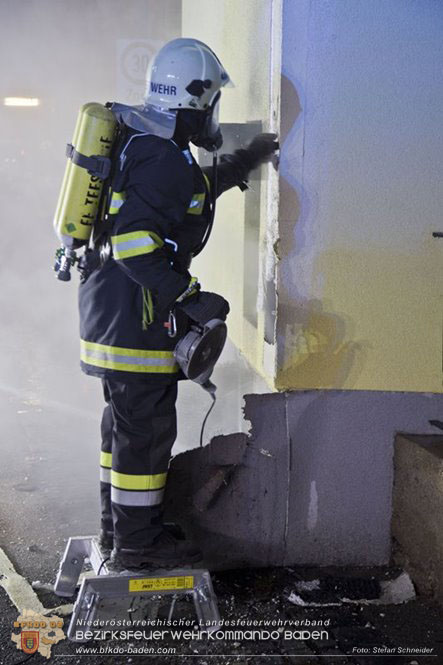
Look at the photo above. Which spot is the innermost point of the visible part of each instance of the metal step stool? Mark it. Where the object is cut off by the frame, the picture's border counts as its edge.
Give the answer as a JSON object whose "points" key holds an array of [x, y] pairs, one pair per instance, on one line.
{"points": [[105, 595]]}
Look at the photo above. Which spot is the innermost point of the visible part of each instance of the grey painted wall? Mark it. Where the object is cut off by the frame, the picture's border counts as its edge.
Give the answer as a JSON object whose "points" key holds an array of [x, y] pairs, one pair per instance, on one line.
{"points": [[312, 484]]}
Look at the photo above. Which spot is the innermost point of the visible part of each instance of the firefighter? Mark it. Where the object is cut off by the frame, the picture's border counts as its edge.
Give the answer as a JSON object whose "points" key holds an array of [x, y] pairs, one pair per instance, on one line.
{"points": [[159, 214]]}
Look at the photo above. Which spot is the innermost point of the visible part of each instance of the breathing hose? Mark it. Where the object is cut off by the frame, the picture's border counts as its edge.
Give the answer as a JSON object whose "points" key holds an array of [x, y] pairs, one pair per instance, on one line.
{"points": [[214, 185]]}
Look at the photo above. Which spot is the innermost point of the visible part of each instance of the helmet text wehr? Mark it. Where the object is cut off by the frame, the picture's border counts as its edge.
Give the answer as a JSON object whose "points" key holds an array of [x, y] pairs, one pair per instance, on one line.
{"points": [[163, 89]]}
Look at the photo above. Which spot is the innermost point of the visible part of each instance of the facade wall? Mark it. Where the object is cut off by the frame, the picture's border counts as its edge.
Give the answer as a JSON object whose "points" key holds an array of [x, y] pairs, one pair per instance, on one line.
{"points": [[360, 276], [239, 259], [310, 484]]}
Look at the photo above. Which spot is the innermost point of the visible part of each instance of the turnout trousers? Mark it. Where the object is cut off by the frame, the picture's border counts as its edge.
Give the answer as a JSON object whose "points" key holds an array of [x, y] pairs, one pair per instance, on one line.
{"points": [[138, 428]]}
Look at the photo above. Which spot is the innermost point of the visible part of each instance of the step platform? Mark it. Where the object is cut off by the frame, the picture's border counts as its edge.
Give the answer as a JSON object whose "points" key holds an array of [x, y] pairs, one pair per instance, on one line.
{"points": [[149, 594]]}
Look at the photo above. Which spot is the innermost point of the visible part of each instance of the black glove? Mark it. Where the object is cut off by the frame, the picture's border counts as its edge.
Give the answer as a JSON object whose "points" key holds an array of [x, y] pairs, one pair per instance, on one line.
{"points": [[261, 149], [205, 306]]}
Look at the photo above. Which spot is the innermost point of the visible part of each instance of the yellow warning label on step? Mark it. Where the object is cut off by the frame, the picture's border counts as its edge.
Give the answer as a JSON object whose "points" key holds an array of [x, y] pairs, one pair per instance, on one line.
{"points": [[162, 583]]}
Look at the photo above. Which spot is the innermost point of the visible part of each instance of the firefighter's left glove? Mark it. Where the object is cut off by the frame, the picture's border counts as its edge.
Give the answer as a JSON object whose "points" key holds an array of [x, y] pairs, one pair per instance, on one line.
{"points": [[261, 149], [204, 306]]}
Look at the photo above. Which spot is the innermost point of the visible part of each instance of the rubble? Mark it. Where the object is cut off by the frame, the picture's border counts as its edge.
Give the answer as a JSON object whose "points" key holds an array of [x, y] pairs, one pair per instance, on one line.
{"points": [[333, 592]]}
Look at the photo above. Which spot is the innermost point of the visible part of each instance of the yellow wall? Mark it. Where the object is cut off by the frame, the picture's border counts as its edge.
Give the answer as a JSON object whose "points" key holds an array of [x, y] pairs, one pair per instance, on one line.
{"points": [[240, 33], [360, 276]]}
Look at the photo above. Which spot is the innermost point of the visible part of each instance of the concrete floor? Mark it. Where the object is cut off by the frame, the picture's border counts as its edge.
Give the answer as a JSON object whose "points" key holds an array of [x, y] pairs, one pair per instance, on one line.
{"points": [[355, 631], [50, 414]]}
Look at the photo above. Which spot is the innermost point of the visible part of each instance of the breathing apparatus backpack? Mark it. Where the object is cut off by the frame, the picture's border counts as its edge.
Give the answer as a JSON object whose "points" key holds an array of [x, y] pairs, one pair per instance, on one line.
{"points": [[82, 205], [80, 217], [83, 195]]}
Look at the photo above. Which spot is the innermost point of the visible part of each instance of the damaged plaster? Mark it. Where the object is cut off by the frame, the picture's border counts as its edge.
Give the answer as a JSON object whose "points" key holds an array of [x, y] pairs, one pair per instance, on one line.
{"points": [[310, 484]]}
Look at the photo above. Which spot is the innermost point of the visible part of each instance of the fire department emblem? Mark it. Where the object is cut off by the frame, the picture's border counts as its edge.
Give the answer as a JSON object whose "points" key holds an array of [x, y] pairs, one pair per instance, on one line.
{"points": [[30, 641], [38, 632]]}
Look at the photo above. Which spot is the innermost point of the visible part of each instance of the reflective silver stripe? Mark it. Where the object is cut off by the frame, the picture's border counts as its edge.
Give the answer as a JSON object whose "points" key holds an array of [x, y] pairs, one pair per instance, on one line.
{"points": [[117, 200], [136, 497], [105, 475], [132, 244], [116, 203], [128, 360]]}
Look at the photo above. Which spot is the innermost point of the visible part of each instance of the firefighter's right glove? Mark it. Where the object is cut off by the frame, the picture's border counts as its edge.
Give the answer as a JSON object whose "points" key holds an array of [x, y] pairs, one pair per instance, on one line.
{"points": [[261, 149], [204, 306]]}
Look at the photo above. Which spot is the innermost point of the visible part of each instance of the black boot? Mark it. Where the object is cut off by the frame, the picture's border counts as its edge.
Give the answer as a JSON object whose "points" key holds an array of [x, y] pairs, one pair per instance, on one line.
{"points": [[106, 536], [167, 551]]}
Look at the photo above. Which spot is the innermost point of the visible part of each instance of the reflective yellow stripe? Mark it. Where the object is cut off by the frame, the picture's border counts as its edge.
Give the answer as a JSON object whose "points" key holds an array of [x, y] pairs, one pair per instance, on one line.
{"points": [[196, 205], [207, 181], [126, 367], [138, 353], [126, 481], [195, 286], [136, 243], [117, 200], [128, 360], [148, 308], [135, 235], [106, 459]]}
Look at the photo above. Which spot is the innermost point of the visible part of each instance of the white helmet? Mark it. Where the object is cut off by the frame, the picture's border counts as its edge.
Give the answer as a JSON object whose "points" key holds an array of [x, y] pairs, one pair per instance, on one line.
{"points": [[185, 74]]}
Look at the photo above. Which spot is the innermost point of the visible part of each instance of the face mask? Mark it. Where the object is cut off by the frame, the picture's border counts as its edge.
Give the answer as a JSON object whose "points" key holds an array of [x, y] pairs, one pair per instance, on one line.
{"points": [[209, 136]]}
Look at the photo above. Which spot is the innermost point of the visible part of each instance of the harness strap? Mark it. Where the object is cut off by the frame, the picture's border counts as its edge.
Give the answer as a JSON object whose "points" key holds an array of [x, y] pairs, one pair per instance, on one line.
{"points": [[95, 165]]}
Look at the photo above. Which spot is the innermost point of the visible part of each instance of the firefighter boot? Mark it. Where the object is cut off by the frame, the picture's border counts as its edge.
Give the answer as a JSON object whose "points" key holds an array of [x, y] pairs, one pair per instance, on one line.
{"points": [[167, 551], [106, 536]]}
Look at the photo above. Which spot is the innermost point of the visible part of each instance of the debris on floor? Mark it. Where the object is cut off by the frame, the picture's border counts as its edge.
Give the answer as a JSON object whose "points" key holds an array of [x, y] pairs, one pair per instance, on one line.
{"points": [[334, 591], [346, 633]]}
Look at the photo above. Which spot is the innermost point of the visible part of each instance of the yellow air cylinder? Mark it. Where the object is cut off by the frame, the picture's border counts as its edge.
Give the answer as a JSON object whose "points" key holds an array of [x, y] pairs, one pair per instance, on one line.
{"points": [[80, 192]]}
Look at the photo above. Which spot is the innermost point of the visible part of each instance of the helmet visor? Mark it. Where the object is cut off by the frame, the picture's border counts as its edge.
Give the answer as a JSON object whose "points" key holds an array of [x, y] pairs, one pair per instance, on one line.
{"points": [[214, 115]]}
